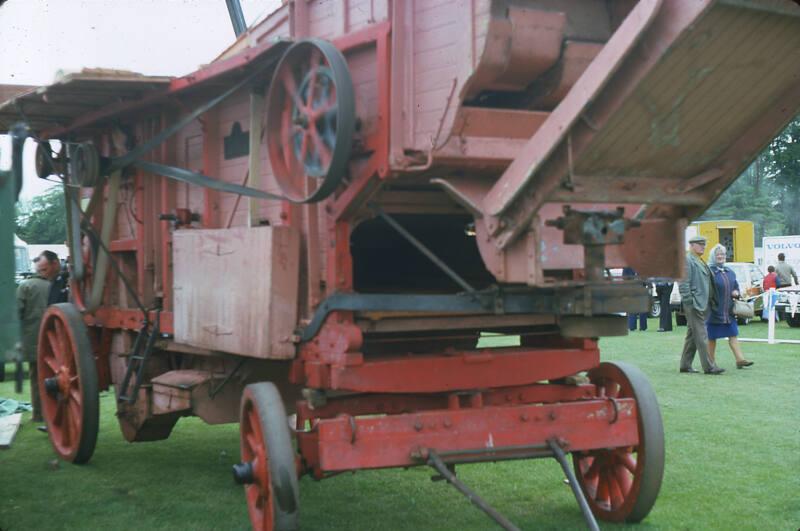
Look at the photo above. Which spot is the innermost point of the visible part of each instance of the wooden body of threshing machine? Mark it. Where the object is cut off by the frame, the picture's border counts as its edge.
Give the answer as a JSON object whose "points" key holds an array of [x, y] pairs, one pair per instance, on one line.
{"points": [[326, 218]]}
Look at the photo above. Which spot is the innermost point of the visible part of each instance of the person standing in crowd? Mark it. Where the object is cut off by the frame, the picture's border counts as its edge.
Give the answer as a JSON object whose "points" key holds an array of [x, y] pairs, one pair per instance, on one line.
{"points": [[663, 292], [770, 279], [697, 298], [629, 273], [722, 322], [785, 272], [59, 278], [32, 294]]}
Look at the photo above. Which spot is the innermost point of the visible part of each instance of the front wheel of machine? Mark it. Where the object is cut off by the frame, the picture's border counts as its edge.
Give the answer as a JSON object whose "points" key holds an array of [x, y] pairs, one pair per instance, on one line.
{"points": [[68, 386], [271, 484], [622, 484]]}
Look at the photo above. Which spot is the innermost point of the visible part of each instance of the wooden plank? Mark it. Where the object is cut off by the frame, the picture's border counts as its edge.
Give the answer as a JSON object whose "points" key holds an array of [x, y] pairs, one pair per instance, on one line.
{"points": [[236, 290], [8, 429]]}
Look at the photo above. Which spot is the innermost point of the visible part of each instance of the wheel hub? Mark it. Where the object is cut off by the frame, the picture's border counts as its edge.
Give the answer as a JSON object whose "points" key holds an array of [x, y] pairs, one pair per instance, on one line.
{"points": [[243, 473], [51, 386]]}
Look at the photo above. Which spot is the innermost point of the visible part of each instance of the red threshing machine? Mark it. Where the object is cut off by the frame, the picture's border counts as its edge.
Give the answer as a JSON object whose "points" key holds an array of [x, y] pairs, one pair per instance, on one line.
{"points": [[324, 220]]}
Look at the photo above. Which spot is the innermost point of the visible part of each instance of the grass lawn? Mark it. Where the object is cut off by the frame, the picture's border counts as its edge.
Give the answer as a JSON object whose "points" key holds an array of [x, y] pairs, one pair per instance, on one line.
{"points": [[732, 446]]}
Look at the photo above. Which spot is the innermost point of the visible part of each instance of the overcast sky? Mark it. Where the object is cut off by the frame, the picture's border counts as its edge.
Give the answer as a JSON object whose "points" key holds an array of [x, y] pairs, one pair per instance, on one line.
{"points": [[157, 37]]}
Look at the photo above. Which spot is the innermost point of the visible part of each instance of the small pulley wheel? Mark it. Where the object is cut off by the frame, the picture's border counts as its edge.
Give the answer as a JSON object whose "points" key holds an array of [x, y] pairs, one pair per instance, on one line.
{"points": [[84, 165], [44, 163], [310, 120], [68, 383]]}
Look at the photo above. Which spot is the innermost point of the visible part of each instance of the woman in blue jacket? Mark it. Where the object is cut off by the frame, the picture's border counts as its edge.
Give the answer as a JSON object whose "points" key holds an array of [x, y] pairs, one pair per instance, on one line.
{"points": [[721, 321]]}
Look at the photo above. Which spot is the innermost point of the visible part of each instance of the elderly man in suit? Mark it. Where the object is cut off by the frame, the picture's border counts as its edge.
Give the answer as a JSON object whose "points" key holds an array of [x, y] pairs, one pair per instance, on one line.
{"points": [[697, 299]]}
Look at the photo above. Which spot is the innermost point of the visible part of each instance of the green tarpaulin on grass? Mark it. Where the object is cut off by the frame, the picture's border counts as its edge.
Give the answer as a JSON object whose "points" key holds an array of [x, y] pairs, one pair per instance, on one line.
{"points": [[9, 406]]}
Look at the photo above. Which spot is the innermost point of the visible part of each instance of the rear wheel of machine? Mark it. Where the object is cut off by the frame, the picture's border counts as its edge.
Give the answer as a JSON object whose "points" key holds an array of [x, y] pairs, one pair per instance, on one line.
{"points": [[793, 320], [622, 484], [272, 490], [68, 383]]}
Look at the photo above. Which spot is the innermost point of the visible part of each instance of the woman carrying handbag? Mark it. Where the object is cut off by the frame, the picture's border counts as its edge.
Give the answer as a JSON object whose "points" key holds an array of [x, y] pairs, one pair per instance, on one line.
{"points": [[722, 321]]}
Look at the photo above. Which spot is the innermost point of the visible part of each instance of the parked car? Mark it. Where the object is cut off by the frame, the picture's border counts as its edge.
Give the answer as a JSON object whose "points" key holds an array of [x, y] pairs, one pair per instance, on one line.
{"points": [[750, 278], [783, 305]]}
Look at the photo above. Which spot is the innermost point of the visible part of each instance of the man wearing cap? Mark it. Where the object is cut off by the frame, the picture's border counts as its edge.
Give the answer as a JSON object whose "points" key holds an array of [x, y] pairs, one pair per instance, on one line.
{"points": [[697, 298]]}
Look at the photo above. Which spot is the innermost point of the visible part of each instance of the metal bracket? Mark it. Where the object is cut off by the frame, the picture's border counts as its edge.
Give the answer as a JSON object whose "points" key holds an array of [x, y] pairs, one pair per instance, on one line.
{"points": [[594, 230]]}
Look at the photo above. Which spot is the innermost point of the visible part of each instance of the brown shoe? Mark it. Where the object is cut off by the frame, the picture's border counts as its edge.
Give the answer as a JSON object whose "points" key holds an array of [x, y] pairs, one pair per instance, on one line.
{"points": [[743, 363]]}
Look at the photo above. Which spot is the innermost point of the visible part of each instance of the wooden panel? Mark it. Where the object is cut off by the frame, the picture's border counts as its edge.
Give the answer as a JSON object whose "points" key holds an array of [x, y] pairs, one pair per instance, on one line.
{"points": [[236, 290]]}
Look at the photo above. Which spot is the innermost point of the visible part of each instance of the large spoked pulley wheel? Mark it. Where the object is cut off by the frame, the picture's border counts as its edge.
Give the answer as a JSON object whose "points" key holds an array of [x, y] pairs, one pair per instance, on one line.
{"points": [[310, 120], [268, 469], [68, 383], [622, 484]]}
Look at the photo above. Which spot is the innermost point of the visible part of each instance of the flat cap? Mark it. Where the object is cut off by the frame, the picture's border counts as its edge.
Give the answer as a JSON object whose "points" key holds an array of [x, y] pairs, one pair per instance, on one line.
{"points": [[697, 239]]}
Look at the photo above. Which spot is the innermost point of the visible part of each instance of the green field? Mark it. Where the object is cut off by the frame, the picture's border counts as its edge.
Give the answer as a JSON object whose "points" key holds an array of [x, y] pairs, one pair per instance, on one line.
{"points": [[732, 447]]}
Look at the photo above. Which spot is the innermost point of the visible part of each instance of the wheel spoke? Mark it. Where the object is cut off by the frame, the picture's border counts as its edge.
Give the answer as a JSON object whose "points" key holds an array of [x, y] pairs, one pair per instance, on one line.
{"points": [[629, 462], [290, 86], [321, 149], [59, 414], [602, 489], [252, 443], [312, 81], [253, 495], [61, 336], [75, 419], [65, 425], [69, 352], [614, 490], [51, 363], [75, 396], [55, 347], [329, 108], [624, 479], [594, 468]]}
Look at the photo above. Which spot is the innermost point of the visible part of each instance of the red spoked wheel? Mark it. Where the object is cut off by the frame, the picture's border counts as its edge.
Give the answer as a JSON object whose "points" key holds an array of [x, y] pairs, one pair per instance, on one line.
{"points": [[622, 484], [68, 383], [268, 470], [310, 120]]}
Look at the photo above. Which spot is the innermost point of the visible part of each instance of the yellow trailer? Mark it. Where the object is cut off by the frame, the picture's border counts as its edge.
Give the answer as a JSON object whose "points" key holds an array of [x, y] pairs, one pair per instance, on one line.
{"points": [[737, 236]]}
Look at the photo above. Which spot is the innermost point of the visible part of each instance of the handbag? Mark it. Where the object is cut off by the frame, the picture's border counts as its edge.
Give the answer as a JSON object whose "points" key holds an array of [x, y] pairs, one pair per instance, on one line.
{"points": [[742, 309]]}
